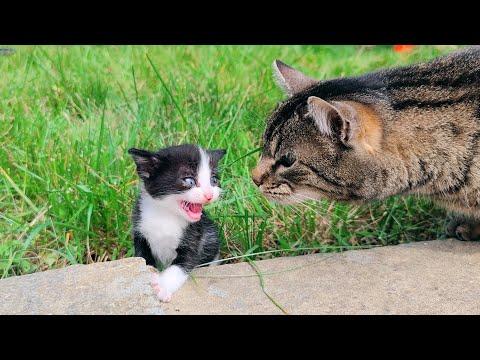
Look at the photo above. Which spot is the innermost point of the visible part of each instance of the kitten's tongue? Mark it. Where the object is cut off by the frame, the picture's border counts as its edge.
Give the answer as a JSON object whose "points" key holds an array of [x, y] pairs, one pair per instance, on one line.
{"points": [[194, 211], [195, 208]]}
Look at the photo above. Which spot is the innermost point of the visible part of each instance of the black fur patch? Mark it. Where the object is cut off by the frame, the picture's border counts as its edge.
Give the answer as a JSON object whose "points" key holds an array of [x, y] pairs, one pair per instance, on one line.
{"points": [[166, 168], [453, 128], [199, 244]]}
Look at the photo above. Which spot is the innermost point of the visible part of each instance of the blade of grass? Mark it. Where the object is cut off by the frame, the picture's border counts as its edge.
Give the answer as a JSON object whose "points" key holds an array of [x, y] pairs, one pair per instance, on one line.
{"points": [[18, 190], [100, 136], [89, 218], [167, 89], [244, 156]]}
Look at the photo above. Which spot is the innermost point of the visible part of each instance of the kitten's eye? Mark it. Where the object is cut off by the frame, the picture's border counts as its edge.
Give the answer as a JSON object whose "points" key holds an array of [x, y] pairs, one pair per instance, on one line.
{"points": [[214, 180], [189, 182], [287, 160]]}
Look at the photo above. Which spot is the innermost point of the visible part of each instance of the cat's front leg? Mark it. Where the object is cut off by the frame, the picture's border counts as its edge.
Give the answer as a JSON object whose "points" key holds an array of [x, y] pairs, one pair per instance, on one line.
{"points": [[168, 281], [142, 248], [172, 278], [463, 227]]}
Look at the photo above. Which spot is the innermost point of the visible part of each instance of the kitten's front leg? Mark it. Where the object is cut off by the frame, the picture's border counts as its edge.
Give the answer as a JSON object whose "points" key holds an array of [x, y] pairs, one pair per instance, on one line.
{"points": [[168, 281], [142, 249], [172, 278]]}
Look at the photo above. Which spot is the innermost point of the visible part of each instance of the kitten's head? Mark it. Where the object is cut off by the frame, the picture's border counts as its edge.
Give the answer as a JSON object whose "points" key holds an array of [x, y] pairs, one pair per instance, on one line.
{"points": [[315, 148], [184, 177]]}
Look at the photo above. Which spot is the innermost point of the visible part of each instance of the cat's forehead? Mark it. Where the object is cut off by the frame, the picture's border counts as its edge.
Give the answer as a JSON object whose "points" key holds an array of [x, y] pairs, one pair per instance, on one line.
{"points": [[299, 134], [182, 155], [285, 109], [188, 158], [285, 129]]}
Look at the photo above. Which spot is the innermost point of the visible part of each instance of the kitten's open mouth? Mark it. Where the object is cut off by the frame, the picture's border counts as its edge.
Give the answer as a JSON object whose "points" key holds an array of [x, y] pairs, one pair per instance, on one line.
{"points": [[193, 211]]}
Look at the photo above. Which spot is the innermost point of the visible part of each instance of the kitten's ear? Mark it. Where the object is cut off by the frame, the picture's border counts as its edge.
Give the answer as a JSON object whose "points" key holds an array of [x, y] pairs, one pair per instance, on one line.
{"points": [[146, 162], [290, 80], [330, 120], [216, 155]]}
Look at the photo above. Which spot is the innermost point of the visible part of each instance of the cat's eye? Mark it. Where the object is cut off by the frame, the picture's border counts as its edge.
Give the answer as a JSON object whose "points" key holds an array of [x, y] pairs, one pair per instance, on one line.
{"points": [[214, 180], [189, 182], [287, 160]]}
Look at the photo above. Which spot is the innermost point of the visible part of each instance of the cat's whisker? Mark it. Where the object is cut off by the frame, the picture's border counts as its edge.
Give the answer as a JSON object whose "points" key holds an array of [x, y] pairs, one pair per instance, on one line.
{"points": [[330, 214], [299, 207], [306, 197], [302, 201], [296, 210]]}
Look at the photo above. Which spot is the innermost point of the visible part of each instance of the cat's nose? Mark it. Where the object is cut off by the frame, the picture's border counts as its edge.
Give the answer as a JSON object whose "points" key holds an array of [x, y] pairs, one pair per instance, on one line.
{"points": [[257, 176], [208, 196], [262, 170]]}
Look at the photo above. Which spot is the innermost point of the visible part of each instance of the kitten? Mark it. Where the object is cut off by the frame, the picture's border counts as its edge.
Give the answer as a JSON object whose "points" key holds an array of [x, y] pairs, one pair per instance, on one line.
{"points": [[407, 130], [170, 228]]}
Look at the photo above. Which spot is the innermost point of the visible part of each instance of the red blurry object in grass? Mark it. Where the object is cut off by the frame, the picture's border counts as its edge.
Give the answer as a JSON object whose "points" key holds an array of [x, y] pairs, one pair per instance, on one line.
{"points": [[403, 48]]}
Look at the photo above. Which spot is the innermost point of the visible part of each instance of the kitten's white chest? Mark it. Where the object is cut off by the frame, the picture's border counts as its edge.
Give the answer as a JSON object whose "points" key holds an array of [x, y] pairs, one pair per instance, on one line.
{"points": [[162, 229]]}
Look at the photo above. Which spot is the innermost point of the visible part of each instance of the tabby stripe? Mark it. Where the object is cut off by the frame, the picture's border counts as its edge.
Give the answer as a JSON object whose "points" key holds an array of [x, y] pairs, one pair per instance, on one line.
{"points": [[279, 141], [403, 104], [352, 195], [466, 171], [424, 178], [328, 180], [414, 79], [477, 112]]}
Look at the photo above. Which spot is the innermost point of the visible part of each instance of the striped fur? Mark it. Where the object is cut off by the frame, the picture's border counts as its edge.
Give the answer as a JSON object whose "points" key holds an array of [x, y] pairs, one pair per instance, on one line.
{"points": [[408, 130]]}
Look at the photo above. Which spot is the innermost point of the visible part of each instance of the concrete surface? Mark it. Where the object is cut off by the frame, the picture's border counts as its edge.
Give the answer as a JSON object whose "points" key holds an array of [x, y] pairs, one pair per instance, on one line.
{"points": [[116, 287], [435, 277]]}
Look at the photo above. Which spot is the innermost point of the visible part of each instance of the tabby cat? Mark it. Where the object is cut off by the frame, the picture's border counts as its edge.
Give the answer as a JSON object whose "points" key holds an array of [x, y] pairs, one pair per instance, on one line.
{"points": [[407, 130]]}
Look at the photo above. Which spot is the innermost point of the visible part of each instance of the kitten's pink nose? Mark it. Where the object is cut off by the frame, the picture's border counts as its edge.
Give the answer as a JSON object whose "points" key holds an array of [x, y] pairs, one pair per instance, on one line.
{"points": [[208, 195]]}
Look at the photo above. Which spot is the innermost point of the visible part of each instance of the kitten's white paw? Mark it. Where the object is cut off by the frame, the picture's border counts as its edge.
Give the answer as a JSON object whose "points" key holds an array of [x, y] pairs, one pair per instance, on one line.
{"points": [[161, 292], [169, 281]]}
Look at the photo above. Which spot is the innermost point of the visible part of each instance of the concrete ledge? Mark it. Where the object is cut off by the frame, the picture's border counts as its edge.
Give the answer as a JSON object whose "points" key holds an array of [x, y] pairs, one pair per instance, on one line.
{"points": [[435, 277], [116, 287]]}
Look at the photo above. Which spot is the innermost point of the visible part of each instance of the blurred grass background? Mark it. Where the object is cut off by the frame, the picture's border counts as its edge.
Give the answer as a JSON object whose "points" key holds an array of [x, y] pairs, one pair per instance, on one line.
{"points": [[69, 113]]}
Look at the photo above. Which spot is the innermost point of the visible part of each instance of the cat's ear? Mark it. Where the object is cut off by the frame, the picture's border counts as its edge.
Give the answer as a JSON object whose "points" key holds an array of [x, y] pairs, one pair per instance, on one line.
{"points": [[330, 120], [290, 80], [356, 126], [216, 155], [146, 162]]}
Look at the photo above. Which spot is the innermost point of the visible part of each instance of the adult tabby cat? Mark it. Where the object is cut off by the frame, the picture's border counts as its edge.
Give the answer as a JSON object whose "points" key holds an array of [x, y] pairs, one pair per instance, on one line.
{"points": [[408, 130]]}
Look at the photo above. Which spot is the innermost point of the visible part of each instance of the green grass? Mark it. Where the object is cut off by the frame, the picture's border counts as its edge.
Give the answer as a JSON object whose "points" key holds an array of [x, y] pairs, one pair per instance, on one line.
{"points": [[69, 114]]}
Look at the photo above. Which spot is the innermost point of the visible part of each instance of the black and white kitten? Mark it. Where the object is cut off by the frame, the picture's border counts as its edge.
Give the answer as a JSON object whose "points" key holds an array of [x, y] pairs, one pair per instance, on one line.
{"points": [[170, 228]]}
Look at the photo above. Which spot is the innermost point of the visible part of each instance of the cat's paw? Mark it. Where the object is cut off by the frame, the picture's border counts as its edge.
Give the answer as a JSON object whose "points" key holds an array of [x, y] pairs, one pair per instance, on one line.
{"points": [[463, 229], [168, 281], [162, 293]]}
